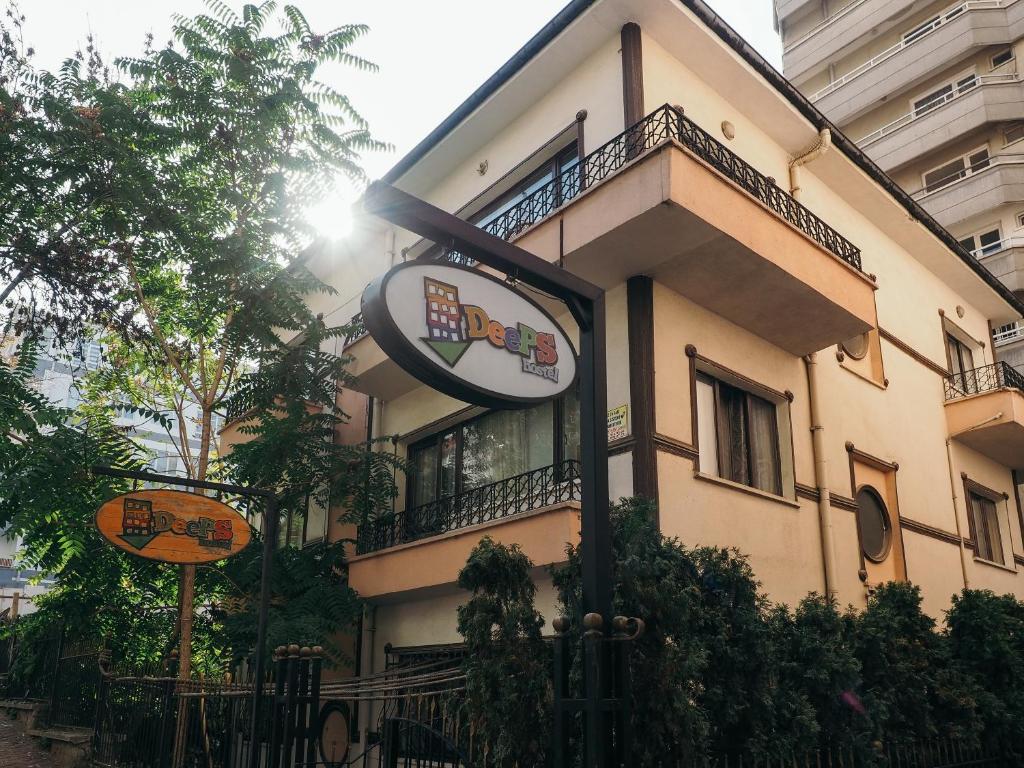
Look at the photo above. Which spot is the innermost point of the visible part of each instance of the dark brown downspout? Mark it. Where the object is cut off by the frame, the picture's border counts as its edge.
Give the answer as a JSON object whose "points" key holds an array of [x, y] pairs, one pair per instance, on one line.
{"points": [[632, 75], [640, 321]]}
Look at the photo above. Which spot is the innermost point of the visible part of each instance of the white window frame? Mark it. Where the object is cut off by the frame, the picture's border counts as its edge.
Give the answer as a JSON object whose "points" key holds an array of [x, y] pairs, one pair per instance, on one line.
{"points": [[967, 167], [992, 59], [976, 237], [953, 82]]}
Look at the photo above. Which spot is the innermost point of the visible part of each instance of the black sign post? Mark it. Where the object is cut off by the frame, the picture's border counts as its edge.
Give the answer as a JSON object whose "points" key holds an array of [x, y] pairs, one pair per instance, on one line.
{"points": [[587, 304]]}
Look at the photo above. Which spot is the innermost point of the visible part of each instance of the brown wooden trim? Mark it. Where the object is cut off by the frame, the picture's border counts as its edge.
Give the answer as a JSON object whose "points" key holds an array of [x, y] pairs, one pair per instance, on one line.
{"points": [[913, 353], [640, 327], [676, 447], [872, 461], [581, 145], [1018, 559], [807, 492], [632, 74], [756, 387], [1014, 478], [625, 445], [842, 502], [691, 354], [930, 531]]}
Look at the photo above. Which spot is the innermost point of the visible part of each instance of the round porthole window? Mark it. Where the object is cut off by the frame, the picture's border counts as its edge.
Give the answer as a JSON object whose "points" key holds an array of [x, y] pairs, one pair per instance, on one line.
{"points": [[857, 347], [874, 524], [334, 730]]}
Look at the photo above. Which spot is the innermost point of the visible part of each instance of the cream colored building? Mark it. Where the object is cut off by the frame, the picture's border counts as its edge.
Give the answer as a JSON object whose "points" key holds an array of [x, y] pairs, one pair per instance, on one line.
{"points": [[931, 92], [810, 380]]}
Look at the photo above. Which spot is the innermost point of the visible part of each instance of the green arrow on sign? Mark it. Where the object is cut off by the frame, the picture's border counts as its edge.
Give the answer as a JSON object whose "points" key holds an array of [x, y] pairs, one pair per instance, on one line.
{"points": [[449, 351]]}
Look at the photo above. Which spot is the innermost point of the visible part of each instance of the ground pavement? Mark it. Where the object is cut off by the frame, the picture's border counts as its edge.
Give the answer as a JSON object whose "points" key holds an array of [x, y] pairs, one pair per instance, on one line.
{"points": [[18, 750]]}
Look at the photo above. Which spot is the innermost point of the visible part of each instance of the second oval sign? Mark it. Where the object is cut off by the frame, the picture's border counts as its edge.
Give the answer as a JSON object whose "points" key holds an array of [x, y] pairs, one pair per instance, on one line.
{"points": [[469, 335]]}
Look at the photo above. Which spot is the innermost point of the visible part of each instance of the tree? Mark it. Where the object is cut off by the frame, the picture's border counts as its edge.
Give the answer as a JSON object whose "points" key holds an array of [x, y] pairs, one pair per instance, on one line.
{"points": [[507, 665]]}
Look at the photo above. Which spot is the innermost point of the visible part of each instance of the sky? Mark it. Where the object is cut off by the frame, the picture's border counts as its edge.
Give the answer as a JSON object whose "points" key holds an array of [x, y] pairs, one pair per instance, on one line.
{"points": [[431, 55]]}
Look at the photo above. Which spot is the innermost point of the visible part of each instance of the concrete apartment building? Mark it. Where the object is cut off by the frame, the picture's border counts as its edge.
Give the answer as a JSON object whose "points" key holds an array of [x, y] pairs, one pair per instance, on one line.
{"points": [[932, 93]]}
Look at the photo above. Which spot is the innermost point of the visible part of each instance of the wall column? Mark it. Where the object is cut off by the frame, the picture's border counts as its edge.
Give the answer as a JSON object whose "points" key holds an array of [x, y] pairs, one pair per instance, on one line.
{"points": [[632, 75], [640, 319]]}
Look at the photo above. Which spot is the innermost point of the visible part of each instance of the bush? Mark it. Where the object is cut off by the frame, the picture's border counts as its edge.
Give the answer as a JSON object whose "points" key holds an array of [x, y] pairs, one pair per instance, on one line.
{"points": [[507, 666]]}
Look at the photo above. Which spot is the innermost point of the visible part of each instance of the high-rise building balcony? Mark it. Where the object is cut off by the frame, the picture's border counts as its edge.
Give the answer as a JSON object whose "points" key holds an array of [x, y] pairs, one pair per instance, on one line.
{"points": [[784, 9], [422, 549], [950, 117], [951, 37], [975, 189], [985, 411], [666, 199], [1005, 260], [852, 26]]}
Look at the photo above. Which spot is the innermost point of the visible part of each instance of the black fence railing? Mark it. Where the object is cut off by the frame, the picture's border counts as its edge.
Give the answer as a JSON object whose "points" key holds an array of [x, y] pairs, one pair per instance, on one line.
{"points": [[356, 329], [665, 124], [522, 493], [938, 753], [984, 379]]}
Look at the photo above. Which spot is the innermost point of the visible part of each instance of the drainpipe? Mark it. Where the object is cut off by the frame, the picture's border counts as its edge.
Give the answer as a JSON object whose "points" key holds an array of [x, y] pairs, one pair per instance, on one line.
{"points": [[389, 246], [819, 148], [821, 476], [956, 496]]}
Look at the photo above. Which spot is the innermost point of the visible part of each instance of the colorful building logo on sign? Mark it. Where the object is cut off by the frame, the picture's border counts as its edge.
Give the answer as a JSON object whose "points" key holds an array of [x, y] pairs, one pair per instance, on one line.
{"points": [[452, 327], [173, 526], [141, 525]]}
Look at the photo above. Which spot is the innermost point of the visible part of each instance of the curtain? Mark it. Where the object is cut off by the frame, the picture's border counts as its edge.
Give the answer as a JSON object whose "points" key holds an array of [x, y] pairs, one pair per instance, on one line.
{"points": [[424, 476], [764, 441], [733, 447], [507, 443]]}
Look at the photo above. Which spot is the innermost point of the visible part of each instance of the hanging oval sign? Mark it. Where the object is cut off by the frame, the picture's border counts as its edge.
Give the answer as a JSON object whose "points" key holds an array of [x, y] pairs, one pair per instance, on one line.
{"points": [[173, 526], [469, 335]]}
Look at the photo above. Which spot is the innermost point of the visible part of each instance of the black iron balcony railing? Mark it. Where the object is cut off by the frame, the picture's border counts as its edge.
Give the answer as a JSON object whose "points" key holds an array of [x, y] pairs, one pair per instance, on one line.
{"points": [[356, 329], [664, 125], [985, 379], [522, 493]]}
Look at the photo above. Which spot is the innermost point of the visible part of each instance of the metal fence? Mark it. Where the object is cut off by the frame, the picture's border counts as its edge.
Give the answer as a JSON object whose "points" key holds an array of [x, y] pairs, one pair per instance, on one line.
{"points": [[987, 378], [943, 753], [665, 124], [522, 493]]}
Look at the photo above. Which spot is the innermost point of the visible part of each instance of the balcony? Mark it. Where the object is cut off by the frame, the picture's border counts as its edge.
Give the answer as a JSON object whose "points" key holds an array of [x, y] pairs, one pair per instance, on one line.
{"points": [[853, 25], [996, 181], [959, 30], [422, 549], [695, 216], [786, 8], [985, 412], [993, 99], [1005, 260]]}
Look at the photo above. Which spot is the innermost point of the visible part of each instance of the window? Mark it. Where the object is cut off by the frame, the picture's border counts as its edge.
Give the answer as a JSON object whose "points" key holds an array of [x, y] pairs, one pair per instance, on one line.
{"points": [[921, 30], [961, 364], [943, 94], [165, 465], [738, 433], [988, 538], [564, 167], [492, 447], [984, 243], [1013, 133], [1020, 219], [873, 524], [1004, 56], [957, 169]]}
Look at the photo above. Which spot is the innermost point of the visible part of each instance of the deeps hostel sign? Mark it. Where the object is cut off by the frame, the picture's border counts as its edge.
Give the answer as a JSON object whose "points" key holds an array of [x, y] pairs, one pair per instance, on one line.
{"points": [[469, 335]]}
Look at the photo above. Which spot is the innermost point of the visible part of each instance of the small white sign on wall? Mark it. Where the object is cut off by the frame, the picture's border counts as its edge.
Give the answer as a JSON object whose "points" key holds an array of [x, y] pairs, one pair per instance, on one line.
{"points": [[618, 423]]}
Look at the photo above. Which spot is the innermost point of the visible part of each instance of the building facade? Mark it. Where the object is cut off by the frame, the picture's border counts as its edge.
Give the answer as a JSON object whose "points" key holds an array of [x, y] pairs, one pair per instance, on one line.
{"points": [[809, 378], [931, 92]]}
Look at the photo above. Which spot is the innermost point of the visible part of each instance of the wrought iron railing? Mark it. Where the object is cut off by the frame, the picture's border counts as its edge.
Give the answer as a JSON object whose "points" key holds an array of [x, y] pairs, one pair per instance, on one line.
{"points": [[356, 329], [522, 493], [664, 125], [985, 379]]}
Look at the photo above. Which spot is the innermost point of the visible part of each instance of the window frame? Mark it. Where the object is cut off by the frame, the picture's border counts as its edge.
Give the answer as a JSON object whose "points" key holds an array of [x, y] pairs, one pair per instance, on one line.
{"points": [[974, 490], [992, 59], [434, 439], [887, 521], [783, 427], [965, 172], [975, 238]]}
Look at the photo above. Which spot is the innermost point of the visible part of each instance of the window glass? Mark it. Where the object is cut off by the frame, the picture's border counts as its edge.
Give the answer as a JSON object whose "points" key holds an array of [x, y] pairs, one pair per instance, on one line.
{"points": [[423, 480], [558, 167], [316, 521], [945, 174], [1003, 57], [873, 523], [986, 528], [933, 99], [745, 432], [503, 444], [989, 242], [921, 30], [1014, 133], [571, 426]]}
